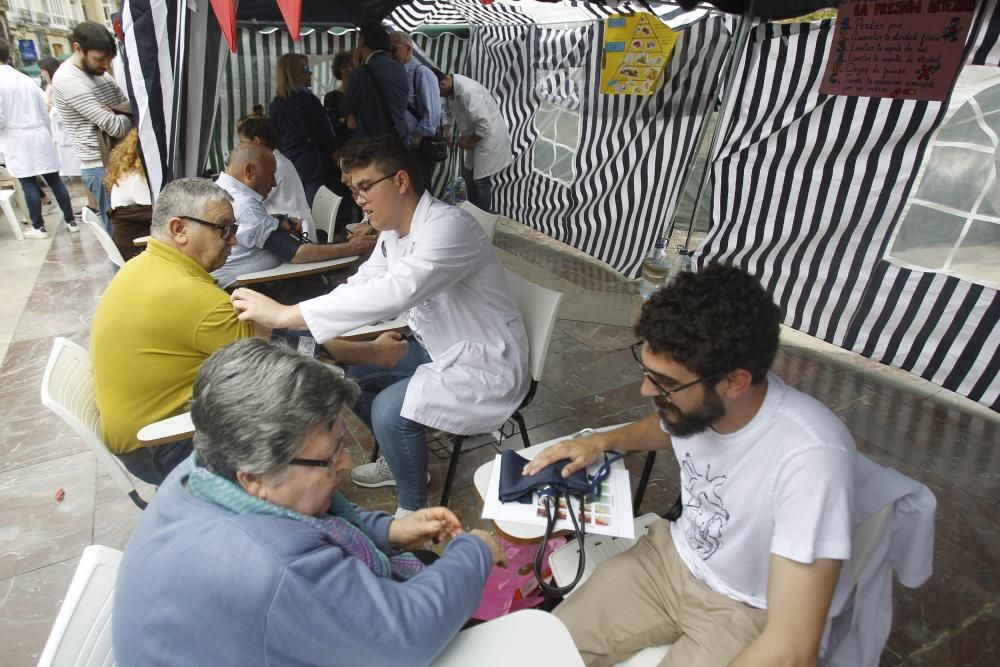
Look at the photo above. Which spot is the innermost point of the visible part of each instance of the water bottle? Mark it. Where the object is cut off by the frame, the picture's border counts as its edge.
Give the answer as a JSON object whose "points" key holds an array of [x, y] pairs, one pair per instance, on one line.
{"points": [[654, 269], [681, 265], [460, 192]]}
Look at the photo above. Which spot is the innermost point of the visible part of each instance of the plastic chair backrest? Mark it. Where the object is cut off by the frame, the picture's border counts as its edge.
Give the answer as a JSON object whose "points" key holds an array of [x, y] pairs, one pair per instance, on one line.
{"points": [[488, 221], [68, 391], [325, 205], [97, 226], [81, 635], [538, 309]]}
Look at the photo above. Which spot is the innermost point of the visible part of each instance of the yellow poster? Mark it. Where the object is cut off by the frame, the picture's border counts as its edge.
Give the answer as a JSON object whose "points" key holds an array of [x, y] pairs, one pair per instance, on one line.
{"points": [[637, 48]]}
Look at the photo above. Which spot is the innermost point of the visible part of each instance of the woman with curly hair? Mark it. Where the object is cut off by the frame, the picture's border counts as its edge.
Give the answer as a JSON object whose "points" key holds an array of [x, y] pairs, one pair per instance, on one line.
{"points": [[306, 135], [131, 203]]}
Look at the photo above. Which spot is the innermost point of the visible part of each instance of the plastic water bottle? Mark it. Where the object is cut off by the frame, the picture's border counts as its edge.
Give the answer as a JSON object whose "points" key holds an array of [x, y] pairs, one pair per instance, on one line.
{"points": [[680, 265], [461, 194], [655, 268]]}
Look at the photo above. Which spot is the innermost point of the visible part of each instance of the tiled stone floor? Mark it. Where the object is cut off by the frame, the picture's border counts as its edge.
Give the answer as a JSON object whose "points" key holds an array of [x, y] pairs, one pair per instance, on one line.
{"points": [[946, 442]]}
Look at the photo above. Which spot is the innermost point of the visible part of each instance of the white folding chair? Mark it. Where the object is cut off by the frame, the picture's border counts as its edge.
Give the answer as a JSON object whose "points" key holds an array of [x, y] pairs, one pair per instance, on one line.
{"points": [[68, 391], [526, 637], [488, 221], [538, 310], [81, 635], [563, 563], [97, 226], [325, 205]]}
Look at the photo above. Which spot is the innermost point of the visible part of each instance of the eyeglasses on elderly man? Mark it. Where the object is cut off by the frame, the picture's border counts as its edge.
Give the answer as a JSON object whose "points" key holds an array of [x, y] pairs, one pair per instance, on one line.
{"points": [[252, 543]]}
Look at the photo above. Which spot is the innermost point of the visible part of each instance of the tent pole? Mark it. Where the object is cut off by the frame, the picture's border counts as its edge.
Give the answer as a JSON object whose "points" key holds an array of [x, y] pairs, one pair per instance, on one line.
{"points": [[739, 44]]}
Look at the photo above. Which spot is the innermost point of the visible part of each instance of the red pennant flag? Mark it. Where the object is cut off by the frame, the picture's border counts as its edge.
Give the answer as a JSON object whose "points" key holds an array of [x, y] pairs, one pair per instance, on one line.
{"points": [[291, 11], [225, 13]]}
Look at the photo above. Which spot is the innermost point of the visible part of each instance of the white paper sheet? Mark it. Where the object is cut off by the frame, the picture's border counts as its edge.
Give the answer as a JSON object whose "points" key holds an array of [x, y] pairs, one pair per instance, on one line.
{"points": [[609, 514]]}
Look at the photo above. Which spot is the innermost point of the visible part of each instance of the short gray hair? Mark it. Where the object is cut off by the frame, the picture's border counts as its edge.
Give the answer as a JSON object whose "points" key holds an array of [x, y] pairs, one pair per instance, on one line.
{"points": [[403, 37], [255, 402], [185, 196]]}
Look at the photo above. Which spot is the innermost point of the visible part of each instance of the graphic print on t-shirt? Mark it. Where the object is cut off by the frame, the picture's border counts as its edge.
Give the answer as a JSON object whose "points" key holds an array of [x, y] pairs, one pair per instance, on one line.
{"points": [[704, 514]]}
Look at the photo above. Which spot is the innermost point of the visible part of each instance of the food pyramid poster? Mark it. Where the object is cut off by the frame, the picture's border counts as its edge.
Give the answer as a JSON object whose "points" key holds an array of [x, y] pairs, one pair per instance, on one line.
{"points": [[637, 48]]}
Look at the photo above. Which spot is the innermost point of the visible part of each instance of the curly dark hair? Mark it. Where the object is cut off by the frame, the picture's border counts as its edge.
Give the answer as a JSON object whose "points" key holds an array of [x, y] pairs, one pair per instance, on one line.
{"points": [[385, 150], [714, 321]]}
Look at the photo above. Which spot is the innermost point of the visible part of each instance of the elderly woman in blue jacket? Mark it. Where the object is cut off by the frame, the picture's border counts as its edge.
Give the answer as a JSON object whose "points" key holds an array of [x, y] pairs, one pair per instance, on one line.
{"points": [[250, 556]]}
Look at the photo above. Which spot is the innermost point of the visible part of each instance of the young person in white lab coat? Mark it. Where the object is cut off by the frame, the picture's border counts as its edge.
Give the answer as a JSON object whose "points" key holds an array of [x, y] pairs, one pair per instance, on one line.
{"points": [[26, 144], [466, 368], [480, 131]]}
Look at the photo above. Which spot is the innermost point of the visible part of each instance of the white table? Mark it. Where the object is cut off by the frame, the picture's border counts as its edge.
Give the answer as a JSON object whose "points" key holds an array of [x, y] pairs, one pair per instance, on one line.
{"points": [[289, 270], [520, 532], [372, 331], [171, 429], [522, 639]]}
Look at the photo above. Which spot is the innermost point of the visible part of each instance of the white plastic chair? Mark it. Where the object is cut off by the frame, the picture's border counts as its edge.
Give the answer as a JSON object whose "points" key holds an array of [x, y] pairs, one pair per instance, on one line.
{"points": [[68, 391], [488, 221], [81, 635], [563, 563], [538, 310], [7, 208], [325, 205], [97, 226]]}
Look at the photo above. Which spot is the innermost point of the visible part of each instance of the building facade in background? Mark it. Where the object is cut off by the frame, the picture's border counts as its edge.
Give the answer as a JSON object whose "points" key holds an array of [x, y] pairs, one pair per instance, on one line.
{"points": [[36, 29]]}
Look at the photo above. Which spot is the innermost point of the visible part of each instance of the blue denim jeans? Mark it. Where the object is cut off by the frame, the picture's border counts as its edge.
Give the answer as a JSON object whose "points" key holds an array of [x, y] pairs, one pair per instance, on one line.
{"points": [[401, 440], [140, 461], [93, 178], [479, 191], [33, 197]]}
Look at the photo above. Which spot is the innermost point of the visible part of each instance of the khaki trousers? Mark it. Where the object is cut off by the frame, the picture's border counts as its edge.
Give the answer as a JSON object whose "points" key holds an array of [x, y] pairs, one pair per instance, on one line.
{"points": [[647, 597]]}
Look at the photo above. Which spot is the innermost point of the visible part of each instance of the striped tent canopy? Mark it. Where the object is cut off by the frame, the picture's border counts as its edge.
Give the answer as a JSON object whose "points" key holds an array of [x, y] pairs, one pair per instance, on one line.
{"points": [[604, 173]]}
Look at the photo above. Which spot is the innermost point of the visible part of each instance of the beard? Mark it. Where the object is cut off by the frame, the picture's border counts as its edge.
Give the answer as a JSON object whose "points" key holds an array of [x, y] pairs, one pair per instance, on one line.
{"points": [[91, 71], [683, 424]]}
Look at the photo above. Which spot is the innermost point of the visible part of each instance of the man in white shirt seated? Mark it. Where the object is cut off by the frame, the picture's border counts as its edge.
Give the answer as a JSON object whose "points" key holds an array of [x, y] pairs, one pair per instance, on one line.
{"points": [[746, 575], [466, 368], [263, 241], [287, 196]]}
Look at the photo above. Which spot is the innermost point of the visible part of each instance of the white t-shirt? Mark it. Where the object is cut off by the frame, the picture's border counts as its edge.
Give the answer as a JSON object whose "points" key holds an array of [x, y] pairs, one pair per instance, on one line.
{"points": [[783, 484]]}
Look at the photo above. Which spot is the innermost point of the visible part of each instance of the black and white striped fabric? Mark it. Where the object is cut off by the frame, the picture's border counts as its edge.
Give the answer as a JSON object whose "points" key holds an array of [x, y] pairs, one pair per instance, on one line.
{"points": [[164, 42], [632, 150], [412, 15], [808, 189]]}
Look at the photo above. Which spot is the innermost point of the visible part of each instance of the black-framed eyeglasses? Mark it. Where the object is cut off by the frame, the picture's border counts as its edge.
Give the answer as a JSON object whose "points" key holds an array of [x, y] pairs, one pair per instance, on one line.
{"points": [[664, 392], [228, 230], [363, 190], [319, 463]]}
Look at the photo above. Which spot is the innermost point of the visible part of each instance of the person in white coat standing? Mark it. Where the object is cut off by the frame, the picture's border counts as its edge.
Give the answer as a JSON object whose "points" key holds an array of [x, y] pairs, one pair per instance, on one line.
{"points": [[480, 131], [466, 368], [26, 143]]}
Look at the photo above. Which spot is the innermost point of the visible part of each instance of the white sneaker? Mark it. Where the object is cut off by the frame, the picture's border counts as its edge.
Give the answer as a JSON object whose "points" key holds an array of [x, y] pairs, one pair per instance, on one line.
{"points": [[39, 233], [373, 475], [72, 227]]}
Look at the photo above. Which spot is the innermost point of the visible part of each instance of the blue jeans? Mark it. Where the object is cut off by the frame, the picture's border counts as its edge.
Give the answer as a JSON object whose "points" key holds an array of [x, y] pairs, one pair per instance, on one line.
{"points": [[401, 440], [140, 461], [33, 197], [479, 191], [93, 178]]}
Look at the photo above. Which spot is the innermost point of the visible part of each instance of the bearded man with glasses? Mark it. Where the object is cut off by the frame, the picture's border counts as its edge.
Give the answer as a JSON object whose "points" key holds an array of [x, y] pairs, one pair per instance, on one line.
{"points": [[747, 573], [160, 317]]}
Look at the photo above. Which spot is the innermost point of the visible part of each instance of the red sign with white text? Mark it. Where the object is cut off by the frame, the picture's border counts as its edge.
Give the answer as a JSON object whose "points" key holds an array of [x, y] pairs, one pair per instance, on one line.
{"points": [[910, 49]]}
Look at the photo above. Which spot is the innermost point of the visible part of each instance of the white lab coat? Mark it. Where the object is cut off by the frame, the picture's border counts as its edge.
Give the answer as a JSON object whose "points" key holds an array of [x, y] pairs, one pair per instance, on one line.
{"points": [[475, 111], [288, 196], [25, 139], [447, 276], [862, 616]]}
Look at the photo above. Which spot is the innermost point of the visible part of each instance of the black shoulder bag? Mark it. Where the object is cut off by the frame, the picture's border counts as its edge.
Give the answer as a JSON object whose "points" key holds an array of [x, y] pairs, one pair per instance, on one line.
{"points": [[434, 148]]}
